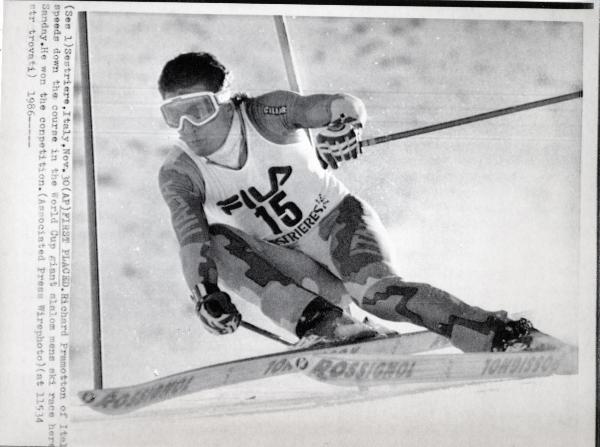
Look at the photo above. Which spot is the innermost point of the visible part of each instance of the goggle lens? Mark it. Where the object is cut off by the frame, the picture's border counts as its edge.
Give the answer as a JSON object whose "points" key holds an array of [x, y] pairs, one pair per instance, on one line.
{"points": [[197, 108]]}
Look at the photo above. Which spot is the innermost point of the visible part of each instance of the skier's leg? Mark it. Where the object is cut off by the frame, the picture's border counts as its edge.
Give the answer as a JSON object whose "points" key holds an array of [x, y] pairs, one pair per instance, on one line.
{"points": [[280, 281], [357, 254]]}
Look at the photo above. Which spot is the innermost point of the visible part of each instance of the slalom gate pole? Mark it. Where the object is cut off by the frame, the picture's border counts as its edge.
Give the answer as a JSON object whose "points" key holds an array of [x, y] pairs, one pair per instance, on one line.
{"points": [[286, 51], [470, 119], [288, 58], [91, 200]]}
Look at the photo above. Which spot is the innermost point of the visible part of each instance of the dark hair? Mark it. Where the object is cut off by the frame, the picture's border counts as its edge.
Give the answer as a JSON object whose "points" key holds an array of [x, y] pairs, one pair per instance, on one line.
{"points": [[188, 69]]}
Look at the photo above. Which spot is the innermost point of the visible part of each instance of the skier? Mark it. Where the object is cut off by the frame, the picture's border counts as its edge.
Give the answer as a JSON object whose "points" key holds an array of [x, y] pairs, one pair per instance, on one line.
{"points": [[258, 213]]}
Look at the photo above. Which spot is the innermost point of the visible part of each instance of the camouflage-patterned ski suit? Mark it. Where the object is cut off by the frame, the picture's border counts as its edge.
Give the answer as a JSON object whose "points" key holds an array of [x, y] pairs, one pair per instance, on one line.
{"points": [[341, 257]]}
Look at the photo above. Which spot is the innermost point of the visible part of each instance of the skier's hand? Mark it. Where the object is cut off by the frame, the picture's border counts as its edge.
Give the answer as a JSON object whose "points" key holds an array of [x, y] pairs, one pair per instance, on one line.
{"points": [[218, 313], [339, 142]]}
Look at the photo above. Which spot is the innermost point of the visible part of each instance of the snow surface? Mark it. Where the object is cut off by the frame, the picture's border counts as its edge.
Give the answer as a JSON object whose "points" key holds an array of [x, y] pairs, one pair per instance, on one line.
{"points": [[301, 412], [488, 211]]}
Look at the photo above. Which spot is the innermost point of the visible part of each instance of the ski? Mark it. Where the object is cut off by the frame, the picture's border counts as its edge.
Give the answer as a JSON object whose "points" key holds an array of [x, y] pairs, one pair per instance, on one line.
{"points": [[365, 370], [392, 359], [129, 398]]}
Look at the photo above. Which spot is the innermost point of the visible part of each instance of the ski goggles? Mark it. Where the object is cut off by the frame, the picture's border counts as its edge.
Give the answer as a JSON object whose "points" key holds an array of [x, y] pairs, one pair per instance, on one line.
{"points": [[197, 108]]}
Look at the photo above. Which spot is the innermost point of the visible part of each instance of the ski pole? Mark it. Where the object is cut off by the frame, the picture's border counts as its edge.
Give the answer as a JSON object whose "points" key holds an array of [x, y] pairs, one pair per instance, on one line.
{"points": [[264, 333], [253, 328], [470, 119]]}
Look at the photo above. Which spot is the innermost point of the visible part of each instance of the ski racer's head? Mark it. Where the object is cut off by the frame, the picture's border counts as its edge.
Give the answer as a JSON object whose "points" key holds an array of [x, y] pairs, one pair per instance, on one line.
{"points": [[191, 69], [195, 90]]}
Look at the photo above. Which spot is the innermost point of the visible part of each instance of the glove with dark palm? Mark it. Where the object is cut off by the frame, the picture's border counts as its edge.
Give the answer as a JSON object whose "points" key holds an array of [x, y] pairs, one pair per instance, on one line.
{"points": [[218, 313], [339, 142]]}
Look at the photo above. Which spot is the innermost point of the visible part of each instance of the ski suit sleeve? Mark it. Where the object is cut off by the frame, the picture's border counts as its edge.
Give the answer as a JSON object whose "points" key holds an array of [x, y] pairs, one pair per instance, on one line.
{"points": [[185, 199], [321, 110], [280, 114]]}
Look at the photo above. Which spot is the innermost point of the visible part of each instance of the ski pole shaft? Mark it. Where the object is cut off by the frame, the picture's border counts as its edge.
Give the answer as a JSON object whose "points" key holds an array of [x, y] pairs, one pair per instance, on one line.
{"points": [[264, 333], [471, 119]]}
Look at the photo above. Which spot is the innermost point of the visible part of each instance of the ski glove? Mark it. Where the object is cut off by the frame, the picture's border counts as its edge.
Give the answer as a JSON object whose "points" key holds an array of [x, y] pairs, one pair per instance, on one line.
{"points": [[339, 142], [218, 313]]}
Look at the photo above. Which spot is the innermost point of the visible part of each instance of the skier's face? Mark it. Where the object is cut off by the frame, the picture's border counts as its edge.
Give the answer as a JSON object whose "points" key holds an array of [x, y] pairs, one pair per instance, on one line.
{"points": [[206, 138]]}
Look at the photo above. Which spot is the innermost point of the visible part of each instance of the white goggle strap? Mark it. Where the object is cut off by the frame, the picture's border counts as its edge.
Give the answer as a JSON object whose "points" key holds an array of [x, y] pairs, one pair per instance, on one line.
{"points": [[223, 95]]}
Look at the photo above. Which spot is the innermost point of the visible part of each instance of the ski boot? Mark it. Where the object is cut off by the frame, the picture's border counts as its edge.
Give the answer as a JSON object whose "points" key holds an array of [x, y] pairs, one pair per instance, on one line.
{"points": [[323, 324], [513, 336], [383, 330]]}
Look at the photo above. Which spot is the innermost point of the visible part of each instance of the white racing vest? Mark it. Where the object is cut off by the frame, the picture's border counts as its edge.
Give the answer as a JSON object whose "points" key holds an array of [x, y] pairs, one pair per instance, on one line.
{"points": [[280, 193]]}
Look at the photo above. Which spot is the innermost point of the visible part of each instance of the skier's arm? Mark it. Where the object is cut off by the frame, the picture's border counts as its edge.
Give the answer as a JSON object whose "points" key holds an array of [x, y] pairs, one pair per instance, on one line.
{"points": [[185, 200], [343, 114], [279, 116], [322, 110]]}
